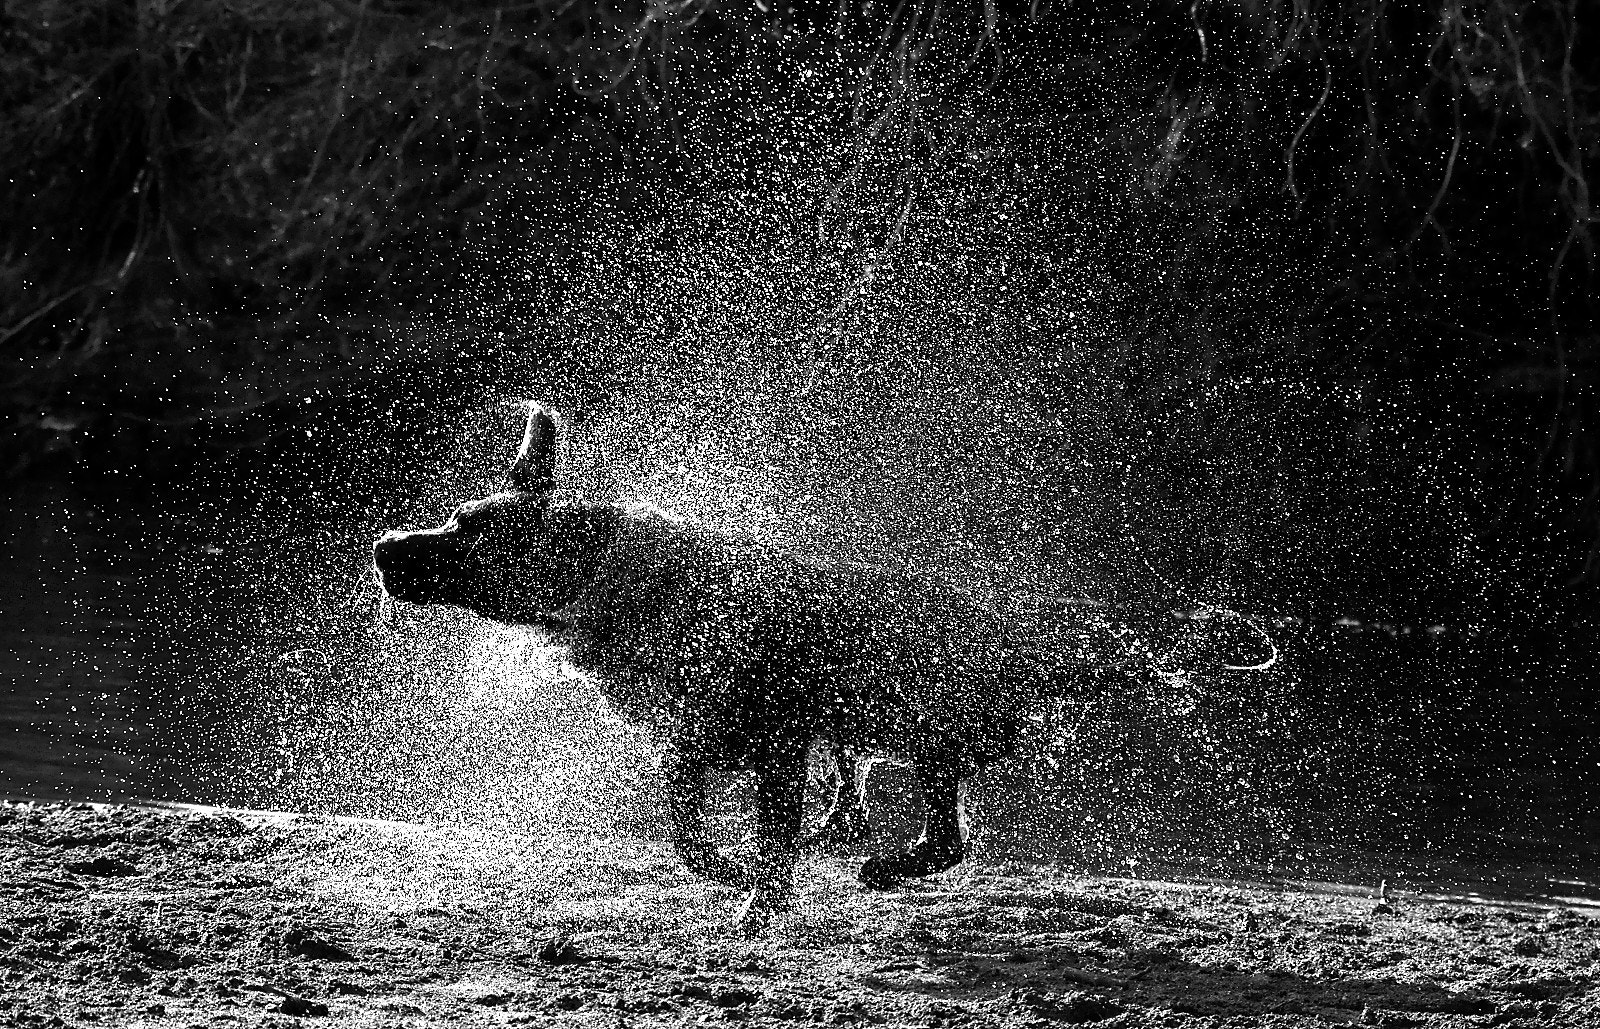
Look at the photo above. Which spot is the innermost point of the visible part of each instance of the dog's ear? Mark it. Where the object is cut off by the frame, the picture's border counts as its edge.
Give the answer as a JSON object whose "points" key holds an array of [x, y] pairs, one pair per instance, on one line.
{"points": [[534, 470]]}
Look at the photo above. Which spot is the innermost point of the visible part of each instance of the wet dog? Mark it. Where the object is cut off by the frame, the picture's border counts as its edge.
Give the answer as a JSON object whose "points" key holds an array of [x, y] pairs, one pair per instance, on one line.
{"points": [[741, 656]]}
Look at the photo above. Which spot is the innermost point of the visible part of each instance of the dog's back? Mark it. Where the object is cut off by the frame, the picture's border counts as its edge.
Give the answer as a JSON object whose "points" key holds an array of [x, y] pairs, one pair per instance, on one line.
{"points": [[737, 642]]}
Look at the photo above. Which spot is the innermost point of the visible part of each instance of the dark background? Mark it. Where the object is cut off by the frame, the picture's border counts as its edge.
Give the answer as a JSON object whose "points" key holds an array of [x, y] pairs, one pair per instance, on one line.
{"points": [[1283, 308]]}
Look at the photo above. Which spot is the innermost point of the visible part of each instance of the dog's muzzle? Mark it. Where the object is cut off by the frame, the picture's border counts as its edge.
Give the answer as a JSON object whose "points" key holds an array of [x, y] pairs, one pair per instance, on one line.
{"points": [[399, 569]]}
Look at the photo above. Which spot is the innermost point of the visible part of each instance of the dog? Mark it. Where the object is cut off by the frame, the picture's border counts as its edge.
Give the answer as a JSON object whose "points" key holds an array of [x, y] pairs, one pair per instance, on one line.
{"points": [[741, 655]]}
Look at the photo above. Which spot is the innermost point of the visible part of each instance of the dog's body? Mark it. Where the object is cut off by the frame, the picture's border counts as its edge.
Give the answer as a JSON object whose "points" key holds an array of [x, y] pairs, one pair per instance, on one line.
{"points": [[742, 655], [727, 647]]}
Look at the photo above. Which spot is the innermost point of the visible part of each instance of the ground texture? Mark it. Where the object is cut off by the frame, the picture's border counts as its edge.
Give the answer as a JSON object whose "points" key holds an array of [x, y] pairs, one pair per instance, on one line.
{"points": [[127, 916]]}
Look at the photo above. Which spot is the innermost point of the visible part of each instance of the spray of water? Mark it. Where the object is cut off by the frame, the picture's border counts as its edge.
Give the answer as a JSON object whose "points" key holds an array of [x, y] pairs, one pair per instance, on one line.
{"points": [[935, 343]]}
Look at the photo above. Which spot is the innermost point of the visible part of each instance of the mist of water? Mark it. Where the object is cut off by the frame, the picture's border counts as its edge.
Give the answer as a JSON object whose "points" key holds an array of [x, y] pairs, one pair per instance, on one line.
{"points": [[967, 343]]}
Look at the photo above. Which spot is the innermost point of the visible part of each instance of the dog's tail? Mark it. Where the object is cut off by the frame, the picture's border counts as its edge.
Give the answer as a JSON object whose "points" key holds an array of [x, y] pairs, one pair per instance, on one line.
{"points": [[1086, 632]]}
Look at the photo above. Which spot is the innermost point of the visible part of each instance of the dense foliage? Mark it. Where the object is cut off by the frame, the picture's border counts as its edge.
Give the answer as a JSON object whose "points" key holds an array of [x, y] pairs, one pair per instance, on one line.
{"points": [[212, 209]]}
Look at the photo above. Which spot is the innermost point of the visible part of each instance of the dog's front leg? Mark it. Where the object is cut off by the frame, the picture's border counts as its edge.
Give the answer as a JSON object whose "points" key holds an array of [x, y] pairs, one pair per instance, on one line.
{"points": [[684, 779], [780, 792]]}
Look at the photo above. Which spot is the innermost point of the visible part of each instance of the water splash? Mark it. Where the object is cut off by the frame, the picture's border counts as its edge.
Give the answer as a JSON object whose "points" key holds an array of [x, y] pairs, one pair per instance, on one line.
{"points": [[971, 342]]}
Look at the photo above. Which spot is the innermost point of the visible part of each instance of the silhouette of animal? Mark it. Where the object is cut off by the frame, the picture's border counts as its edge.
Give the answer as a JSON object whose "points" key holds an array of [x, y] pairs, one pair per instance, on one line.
{"points": [[742, 655]]}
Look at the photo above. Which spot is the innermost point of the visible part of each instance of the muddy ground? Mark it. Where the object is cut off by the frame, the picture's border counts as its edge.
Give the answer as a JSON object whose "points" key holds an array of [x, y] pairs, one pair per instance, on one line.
{"points": [[129, 916]]}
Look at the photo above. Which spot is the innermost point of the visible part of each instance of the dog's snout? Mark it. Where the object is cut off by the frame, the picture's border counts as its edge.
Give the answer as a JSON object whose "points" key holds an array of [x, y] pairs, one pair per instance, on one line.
{"points": [[404, 573], [383, 551]]}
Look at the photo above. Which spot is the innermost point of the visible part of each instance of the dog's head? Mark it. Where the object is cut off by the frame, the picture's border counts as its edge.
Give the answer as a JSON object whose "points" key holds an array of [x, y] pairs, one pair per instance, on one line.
{"points": [[515, 556]]}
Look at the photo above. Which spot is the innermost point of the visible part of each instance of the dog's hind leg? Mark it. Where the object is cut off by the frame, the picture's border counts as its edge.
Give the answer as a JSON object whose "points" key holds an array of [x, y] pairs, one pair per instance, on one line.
{"points": [[684, 779], [942, 844], [846, 824]]}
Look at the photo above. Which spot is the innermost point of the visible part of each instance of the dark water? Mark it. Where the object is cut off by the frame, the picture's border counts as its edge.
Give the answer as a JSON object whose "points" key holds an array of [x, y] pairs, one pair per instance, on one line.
{"points": [[78, 615], [131, 623], [219, 640]]}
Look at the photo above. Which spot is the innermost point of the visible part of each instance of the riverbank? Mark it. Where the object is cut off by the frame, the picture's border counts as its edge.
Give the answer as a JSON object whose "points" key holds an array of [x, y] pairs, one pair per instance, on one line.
{"points": [[124, 916]]}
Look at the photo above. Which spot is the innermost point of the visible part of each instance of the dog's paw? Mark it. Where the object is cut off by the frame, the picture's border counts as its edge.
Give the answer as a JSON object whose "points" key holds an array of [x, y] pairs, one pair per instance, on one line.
{"points": [[706, 861], [760, 907], [882, 873]]}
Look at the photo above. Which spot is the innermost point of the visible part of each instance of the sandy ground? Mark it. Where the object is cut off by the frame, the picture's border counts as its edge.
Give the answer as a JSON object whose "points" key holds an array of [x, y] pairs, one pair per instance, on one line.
{"points": [[128, 916]]}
